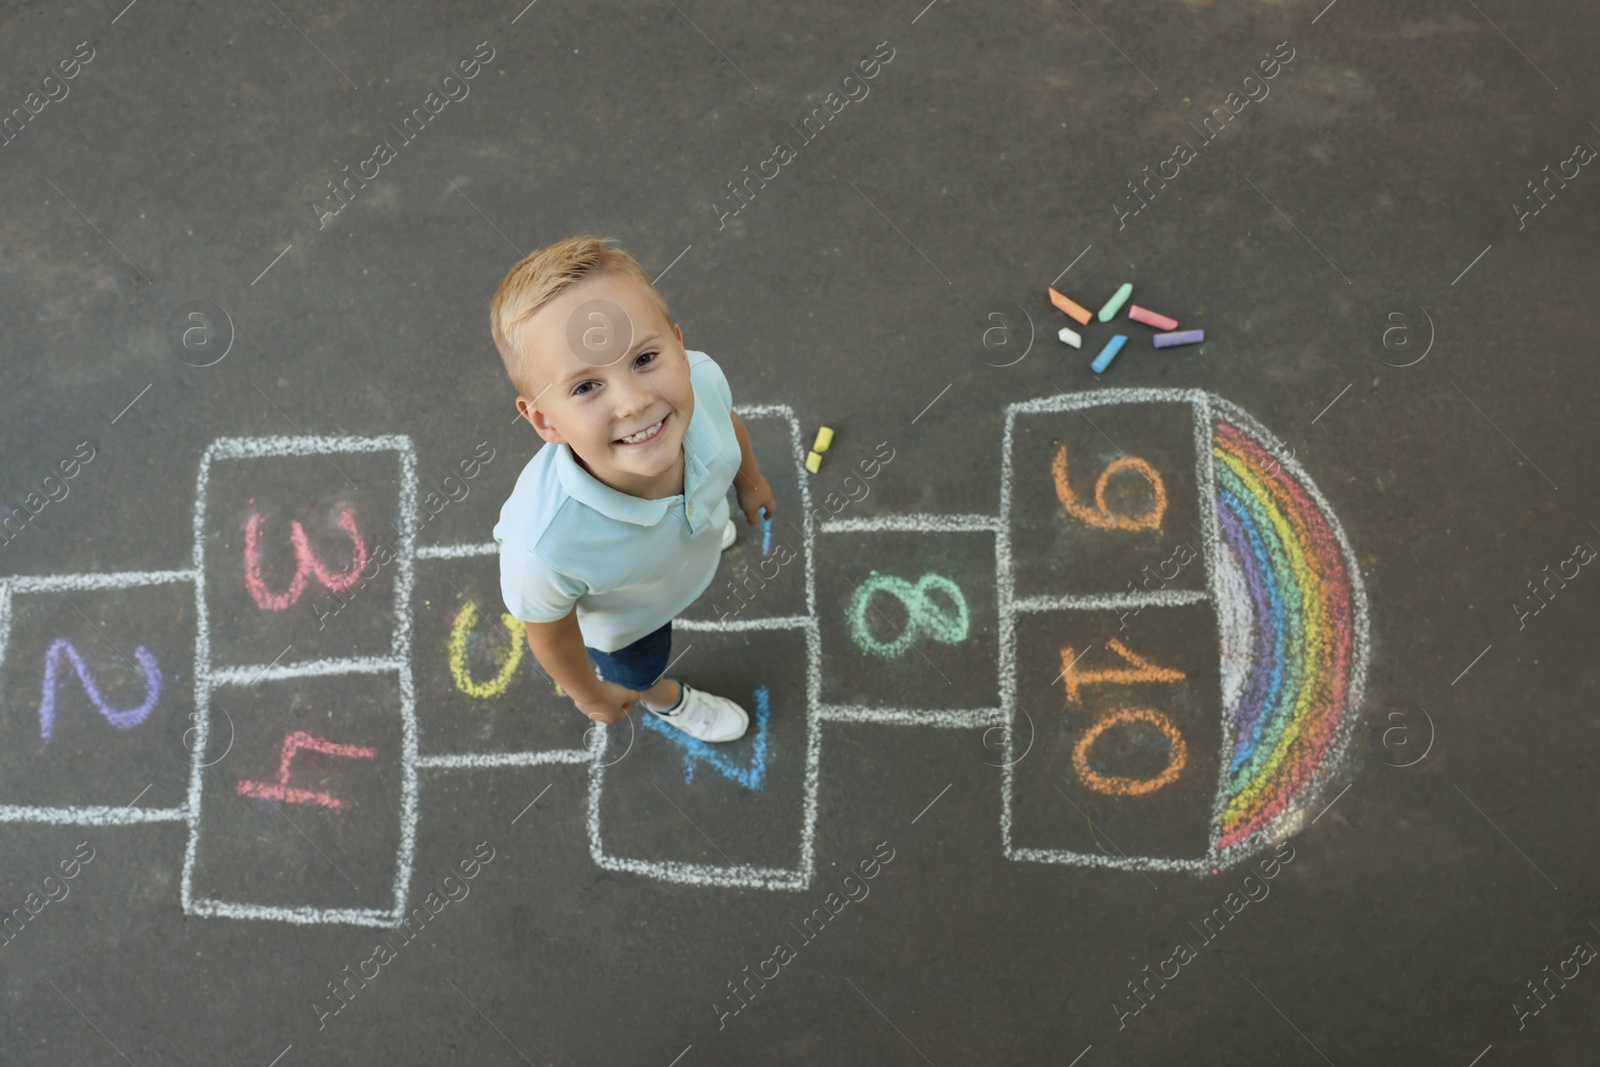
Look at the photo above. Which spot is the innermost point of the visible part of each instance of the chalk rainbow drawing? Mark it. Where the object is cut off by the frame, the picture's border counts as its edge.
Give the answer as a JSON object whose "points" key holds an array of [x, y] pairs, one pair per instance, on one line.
{"points": [[1288, 639]]}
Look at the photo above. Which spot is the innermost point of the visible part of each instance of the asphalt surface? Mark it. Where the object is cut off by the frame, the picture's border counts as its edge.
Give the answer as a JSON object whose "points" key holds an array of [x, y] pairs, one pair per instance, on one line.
{"points": [[219, 795]]}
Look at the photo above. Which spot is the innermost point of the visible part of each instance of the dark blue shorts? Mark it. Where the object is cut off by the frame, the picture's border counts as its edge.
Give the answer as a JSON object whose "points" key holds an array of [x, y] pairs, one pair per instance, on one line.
{"points": [[639, 665]]}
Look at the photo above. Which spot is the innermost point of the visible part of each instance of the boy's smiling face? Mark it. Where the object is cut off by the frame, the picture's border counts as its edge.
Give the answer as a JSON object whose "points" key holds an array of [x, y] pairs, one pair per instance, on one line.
{"points": [[605, 365]]}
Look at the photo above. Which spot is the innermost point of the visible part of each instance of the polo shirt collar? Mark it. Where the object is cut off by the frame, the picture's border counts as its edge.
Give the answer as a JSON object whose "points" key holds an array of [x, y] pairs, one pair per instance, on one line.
{"points": [[625, 507]]}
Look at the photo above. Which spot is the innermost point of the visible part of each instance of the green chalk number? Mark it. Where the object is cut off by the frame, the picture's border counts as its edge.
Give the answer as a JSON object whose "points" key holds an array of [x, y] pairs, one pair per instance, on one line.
{"points": [[945, 622]]}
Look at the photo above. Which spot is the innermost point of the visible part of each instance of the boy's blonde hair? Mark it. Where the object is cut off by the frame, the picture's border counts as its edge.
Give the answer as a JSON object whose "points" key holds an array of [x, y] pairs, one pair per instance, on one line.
{"points": [[543, 276]]}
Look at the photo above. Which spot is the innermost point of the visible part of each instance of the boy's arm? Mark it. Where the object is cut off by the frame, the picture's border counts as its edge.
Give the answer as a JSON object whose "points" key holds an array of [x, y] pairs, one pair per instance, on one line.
{"points": [[558, 646], [749, 470], [749, 486]]}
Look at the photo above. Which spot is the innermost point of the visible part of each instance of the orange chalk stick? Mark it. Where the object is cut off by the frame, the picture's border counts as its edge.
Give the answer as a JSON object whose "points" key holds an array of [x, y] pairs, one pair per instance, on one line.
{"points": [[1082, 314]]}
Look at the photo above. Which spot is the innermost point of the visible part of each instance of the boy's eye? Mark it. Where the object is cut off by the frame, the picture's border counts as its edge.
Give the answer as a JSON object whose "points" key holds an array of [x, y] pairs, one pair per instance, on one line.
{"points": [[579, 390]]}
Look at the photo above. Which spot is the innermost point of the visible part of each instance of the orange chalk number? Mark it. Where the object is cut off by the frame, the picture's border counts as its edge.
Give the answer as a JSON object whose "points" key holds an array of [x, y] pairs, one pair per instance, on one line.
{"points": [[1137, 669], [1101, 515]]}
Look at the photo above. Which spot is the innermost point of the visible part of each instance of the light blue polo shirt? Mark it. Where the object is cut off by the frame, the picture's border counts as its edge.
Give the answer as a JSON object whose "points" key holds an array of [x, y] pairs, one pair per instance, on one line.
{"points": [[630, 564]]}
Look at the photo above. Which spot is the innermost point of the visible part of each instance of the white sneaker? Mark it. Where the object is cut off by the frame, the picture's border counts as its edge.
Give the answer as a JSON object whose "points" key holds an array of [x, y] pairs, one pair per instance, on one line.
{"points": [[706, 717], [729, 533]]}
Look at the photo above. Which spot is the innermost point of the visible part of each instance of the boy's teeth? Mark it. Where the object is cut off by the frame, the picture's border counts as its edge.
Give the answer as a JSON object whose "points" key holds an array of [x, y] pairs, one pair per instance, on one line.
{"points": [[642, 434]]}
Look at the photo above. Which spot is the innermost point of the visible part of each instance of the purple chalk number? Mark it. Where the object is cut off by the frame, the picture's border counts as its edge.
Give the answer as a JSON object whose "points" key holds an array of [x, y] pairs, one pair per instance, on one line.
{"points": [[121, 719]]}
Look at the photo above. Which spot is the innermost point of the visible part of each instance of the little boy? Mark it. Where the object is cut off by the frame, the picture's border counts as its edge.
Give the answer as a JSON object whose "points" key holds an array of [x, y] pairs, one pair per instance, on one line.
{"points": [[616, 524]]}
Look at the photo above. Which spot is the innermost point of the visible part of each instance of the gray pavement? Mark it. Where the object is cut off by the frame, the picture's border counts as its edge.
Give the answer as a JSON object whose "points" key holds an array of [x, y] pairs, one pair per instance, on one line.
{"points": [[1317, 795]]}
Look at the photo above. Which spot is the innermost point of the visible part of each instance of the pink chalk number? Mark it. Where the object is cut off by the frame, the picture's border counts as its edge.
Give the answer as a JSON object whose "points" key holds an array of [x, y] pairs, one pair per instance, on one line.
{"points": [[306, 563], [288, 794]]}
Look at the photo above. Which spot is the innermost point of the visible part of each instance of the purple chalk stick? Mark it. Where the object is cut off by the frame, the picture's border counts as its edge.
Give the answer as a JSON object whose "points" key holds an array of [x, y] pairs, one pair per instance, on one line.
{"points": [[1182, 337]]}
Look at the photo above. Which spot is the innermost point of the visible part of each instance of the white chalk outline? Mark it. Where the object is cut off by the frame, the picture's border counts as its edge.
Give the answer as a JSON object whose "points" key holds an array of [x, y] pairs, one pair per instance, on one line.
{"points": [[746, 875], [316, 668], [5, 620], [935, 717], [90, 815], [726, 626], [914, 524], [479, 760], [82, 814], [1206, 407], [208, 677], [66, 583], [306, 916], [947, 718], [488, 548], [1161, 598]]}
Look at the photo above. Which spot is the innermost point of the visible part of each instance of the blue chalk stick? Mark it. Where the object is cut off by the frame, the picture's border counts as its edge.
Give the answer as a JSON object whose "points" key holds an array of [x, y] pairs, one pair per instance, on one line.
{"points": [[1108, 353]]}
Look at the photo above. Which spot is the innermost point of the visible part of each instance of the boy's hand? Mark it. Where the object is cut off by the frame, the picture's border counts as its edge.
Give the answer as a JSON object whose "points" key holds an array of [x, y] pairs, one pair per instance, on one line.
{"points": [[755, 496], [613, 703]]}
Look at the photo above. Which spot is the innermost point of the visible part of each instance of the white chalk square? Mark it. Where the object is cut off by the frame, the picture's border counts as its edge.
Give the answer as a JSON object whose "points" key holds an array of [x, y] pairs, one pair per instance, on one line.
{"points": [[97, 676], [715, 813], [305, 550], [304, 804], [908, 618], [481, 693]]}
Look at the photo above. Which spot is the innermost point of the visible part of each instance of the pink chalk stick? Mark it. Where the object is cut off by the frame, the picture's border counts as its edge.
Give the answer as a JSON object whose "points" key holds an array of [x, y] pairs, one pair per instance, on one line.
{"points": [[1150, 318]]}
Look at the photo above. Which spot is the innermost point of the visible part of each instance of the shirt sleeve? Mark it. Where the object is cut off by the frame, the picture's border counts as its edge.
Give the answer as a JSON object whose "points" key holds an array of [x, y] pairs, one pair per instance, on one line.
{"points": [[706, 371], [532, 590]]}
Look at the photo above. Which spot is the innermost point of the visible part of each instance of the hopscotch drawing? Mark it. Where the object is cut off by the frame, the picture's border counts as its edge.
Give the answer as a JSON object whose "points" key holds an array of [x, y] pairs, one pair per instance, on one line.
{"points": [[1250, 736], [1163, 622]]}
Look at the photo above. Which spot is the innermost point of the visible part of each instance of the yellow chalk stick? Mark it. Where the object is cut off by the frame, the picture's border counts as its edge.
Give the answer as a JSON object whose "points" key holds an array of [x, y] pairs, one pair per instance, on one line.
{"points": [[824, 439], [813, 462]]}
